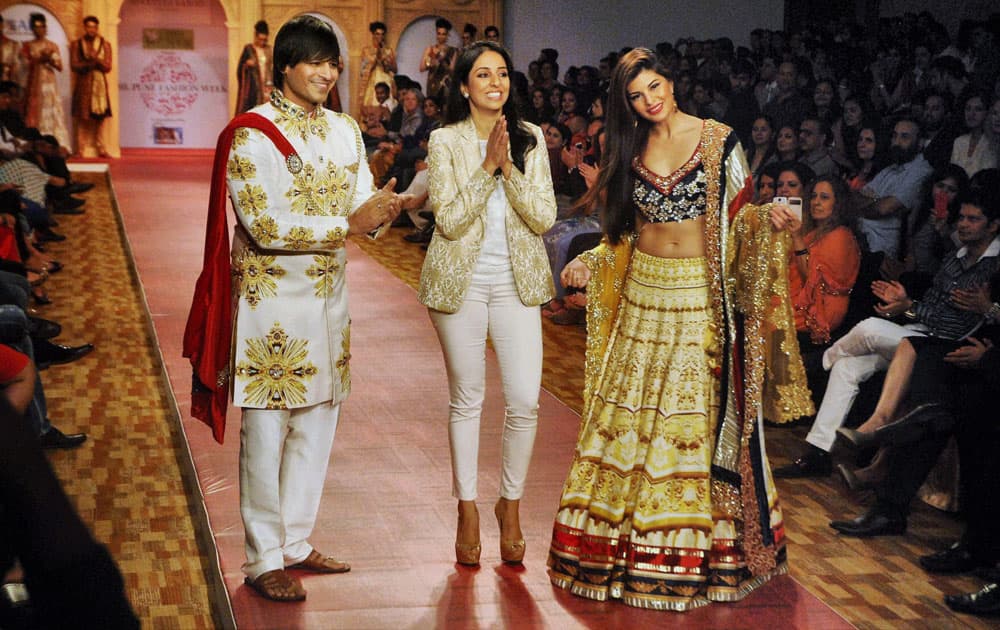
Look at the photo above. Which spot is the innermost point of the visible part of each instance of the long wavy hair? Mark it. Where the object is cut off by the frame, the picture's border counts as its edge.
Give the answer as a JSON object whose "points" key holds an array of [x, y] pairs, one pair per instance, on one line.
{"points": [[626, 135], [457, 108]]}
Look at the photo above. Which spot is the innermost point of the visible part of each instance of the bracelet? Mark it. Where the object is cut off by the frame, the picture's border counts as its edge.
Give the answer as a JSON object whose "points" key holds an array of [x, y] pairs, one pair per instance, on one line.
{"points": [[801, 252], [994, 313]]}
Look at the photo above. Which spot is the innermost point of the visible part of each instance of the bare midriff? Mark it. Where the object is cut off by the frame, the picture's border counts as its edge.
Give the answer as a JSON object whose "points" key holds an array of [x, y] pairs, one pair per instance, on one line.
{"points": [[675, 239]]}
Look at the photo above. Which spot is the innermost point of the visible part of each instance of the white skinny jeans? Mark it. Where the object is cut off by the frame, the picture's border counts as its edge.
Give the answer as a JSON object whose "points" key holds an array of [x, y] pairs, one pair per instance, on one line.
{"points": [[491, 308]]}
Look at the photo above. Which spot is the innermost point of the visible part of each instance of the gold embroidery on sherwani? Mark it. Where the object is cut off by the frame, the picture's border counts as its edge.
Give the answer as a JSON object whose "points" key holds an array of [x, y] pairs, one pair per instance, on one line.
{"points": [[324, 272], [252, 199], [296, 121], [344, 362], [264, 230], [240, 168], [257, 276], [240, 137], [334, 239], [300, 238], [319, 192], [277, 369]]}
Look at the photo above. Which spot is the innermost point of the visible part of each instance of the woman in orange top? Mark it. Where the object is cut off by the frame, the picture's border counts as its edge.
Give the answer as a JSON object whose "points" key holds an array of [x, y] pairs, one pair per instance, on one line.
{"points": [[825, 264]]}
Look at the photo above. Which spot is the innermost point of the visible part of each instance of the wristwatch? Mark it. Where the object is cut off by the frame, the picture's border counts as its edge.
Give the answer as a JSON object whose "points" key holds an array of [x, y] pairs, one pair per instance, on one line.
{"points": [[911, 313]]}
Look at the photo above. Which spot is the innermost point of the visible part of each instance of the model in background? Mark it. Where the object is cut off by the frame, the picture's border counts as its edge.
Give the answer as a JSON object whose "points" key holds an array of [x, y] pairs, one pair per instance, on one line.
{"points": [[90, 60], [253, 72]]}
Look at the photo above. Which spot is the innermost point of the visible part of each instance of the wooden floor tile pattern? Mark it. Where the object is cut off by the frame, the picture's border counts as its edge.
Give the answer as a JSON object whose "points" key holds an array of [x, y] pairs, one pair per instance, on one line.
{"points": [[125, 481]]}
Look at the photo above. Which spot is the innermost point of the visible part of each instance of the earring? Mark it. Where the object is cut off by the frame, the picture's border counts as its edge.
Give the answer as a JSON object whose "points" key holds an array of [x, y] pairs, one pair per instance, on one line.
{"points": [[465, 95]]}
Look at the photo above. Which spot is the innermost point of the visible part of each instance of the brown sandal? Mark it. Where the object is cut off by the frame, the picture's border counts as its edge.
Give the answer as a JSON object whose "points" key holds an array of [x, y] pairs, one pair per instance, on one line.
{"points": [[277, 586], [318, 563]]}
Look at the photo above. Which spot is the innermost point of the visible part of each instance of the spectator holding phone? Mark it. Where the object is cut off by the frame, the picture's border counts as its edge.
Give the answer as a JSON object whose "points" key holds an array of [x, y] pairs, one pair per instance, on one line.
{"points": [[928, 235], [824, 262]]}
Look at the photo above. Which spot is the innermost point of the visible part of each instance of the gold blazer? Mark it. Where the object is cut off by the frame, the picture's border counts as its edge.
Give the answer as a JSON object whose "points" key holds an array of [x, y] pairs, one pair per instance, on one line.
{"points": [[459, 189]]}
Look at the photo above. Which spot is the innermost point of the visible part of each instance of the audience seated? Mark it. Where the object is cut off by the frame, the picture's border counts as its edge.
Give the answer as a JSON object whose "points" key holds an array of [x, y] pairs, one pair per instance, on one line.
{"points": [[868, 347]]}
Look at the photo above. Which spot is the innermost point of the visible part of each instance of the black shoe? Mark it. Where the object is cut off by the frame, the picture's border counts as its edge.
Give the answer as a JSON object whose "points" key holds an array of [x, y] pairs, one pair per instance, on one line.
{"points": [[39, 328], [911, 426], [871, 524], [55, 438], [61, 210], [853, 482], [954, 559], [48, 353], [815, 463], [46, 234], [985, 601], [77, 187]]}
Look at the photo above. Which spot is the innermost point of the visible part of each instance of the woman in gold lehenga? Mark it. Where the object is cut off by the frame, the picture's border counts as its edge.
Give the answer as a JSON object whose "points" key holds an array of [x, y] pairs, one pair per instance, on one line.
{"points": [[669, 503]]}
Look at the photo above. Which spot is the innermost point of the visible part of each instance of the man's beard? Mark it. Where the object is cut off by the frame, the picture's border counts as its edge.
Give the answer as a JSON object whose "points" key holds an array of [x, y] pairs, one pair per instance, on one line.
{"points": [[899, 155]]}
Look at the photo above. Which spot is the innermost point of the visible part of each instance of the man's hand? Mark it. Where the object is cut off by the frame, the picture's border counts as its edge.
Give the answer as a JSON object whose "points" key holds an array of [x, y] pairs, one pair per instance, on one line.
{"points": [[973, 300], [893, 296], [382, 208], [969, 356]]}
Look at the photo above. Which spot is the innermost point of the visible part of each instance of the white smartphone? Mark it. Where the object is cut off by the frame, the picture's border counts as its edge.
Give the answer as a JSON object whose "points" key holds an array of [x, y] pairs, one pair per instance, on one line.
{"points": [[795, 205]]}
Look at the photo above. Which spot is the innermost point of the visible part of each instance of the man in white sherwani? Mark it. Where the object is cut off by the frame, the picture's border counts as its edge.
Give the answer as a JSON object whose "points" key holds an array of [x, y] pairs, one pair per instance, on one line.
{"points": [[291, 329]]}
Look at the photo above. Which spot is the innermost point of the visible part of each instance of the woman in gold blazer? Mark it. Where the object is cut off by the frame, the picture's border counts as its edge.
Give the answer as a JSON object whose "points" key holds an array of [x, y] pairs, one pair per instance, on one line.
{"points": [[485, 274]]}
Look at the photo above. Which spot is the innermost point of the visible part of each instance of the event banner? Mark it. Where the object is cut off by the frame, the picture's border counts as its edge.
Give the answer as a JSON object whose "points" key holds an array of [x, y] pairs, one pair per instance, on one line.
{"points": [[172, 73]]}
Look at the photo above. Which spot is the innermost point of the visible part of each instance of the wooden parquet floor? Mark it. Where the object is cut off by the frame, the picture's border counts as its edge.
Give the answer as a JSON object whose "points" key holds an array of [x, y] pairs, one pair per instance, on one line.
{"points": [[874, 583], [126, 480]]}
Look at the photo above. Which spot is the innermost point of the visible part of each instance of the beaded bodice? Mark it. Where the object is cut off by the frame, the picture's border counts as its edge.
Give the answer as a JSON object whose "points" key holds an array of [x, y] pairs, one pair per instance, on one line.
{"points": [[676, 197]]}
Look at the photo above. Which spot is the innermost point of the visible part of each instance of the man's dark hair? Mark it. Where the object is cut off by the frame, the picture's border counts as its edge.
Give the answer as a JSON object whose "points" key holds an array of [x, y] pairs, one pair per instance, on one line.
{"points": [[36, 17], [91, 19], [374, 26], [950, 65], [261, 28], [442, 23], [470, 29], [303, 39], [491, 29], [984, 193]]}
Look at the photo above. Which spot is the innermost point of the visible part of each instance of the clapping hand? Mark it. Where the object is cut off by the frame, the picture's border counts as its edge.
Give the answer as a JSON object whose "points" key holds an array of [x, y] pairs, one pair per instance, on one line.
{"points": [[381, 209], [974, 300], [893, 297], [498, 149]]}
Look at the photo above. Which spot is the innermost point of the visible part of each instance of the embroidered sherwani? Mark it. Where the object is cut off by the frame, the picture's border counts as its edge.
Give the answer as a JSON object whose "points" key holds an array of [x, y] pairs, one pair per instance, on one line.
{"points": [[291, 335]]}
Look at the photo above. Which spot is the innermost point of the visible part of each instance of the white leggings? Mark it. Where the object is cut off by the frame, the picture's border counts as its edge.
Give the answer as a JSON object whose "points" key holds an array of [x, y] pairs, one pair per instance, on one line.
{"points": [[492, 307]]}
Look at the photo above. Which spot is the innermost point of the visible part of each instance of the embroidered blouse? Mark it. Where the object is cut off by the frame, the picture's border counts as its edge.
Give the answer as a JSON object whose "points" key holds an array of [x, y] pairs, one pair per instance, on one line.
{"points": [[676, 197]]}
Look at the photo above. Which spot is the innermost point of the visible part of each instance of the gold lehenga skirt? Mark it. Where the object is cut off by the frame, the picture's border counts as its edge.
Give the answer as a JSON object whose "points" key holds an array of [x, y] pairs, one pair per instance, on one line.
{"points": [[636, 520]]}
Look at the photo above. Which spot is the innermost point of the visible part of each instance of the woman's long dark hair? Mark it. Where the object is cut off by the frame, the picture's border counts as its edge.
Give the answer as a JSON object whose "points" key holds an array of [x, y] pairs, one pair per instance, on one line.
{"points": [[626, 134], [457, 108]]}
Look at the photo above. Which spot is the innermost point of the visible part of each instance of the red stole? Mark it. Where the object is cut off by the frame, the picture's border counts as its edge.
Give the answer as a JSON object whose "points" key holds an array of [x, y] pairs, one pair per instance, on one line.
{"points": [[208, 335]]}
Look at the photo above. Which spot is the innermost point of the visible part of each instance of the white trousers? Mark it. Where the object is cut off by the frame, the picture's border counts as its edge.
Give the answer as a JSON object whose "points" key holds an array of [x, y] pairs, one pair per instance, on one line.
{"points": [[492, 307], [853, 359], [283, 460]]}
